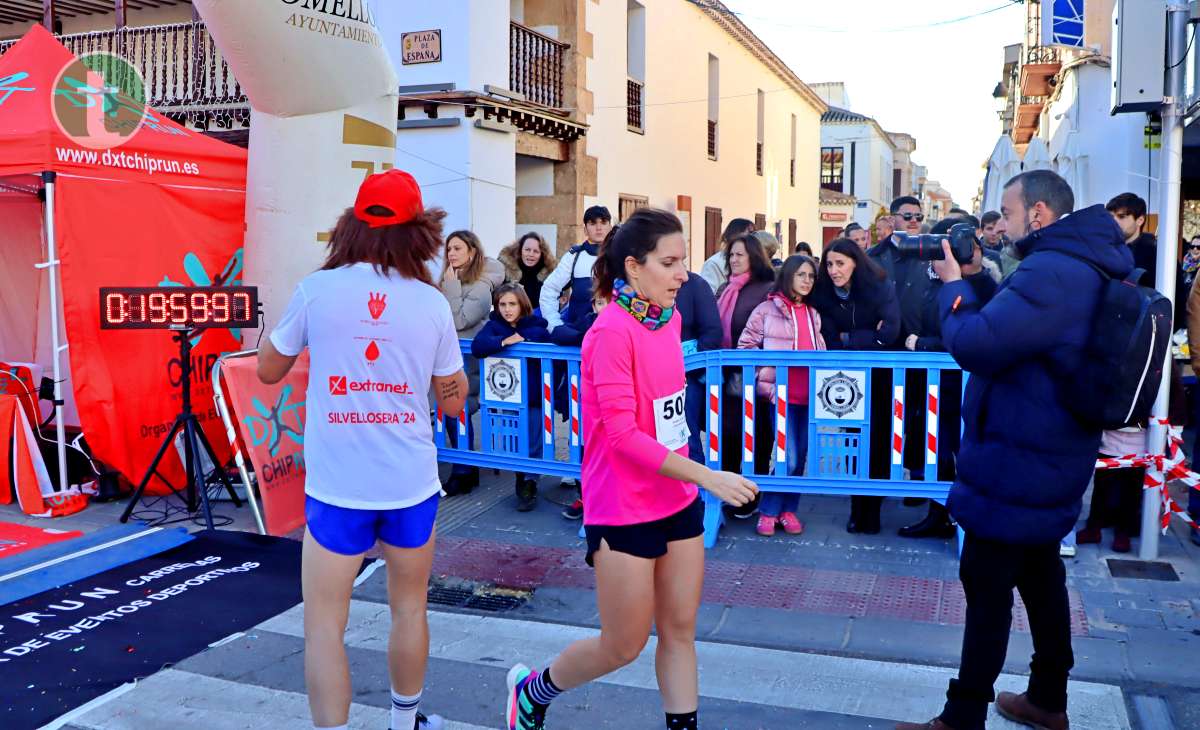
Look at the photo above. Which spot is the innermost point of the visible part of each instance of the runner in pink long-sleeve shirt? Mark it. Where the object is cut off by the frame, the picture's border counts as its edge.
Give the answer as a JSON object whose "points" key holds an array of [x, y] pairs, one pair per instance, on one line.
{"points": [[642, 514]]}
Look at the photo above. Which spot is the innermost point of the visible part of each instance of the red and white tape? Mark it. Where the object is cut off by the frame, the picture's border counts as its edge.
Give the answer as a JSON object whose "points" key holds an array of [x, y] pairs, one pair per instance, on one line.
{"points": [[547, 411], [781, 424], [748, 423], [1173, 466], [898, 425], [931, 427], [714, 405], [574, 410]]}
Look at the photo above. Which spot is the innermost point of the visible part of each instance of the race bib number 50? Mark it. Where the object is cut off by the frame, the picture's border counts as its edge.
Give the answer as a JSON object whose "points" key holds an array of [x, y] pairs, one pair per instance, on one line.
{"points": [[670, 421]]}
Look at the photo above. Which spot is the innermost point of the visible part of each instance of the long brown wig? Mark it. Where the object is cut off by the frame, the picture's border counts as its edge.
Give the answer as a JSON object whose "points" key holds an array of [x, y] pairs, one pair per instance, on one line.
{"points": [[405, 248]]}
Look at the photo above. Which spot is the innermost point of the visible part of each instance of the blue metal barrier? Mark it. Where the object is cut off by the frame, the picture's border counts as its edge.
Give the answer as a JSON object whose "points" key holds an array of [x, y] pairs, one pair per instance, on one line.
{"points": [[841, 402], [518, 403], [513, 411]]}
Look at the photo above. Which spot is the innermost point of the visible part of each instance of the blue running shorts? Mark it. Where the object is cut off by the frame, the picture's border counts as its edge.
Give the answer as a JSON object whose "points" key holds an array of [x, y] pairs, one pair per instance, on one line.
{"points": [[354, 531]]}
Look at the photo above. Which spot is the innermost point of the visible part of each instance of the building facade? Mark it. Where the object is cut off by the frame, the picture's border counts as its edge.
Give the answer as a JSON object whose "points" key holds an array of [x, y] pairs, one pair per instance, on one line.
{"points": [[516, 115], [1058, 88], [185, 75], [704, 121], [837, 212], [887, 170], [857, 159]]}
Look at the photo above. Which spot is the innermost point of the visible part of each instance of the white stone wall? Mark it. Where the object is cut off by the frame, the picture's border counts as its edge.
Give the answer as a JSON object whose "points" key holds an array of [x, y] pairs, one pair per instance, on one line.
{"points": [[1117, 160], [671, 157], [468, 171]]}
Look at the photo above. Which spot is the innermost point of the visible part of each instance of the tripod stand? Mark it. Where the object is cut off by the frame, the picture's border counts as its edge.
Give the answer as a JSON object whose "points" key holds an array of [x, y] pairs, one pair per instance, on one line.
{"points": [[193, 439]]}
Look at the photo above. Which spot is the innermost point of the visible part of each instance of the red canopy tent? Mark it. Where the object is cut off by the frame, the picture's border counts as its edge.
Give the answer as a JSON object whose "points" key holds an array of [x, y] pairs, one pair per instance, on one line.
{"points": [[165, 207]]}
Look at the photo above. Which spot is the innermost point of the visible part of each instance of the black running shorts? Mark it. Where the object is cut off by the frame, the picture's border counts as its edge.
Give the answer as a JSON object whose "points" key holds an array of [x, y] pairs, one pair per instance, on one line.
{"points": [[647, 539]]}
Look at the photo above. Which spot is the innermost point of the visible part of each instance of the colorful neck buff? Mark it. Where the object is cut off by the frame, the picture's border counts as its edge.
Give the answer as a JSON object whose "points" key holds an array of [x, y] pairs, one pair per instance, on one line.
{"points": [[650, 315]]}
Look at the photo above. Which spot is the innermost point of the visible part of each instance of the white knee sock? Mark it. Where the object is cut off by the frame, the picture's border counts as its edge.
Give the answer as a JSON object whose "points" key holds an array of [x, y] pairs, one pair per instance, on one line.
{"points": [[404, 711], [339, 727]]}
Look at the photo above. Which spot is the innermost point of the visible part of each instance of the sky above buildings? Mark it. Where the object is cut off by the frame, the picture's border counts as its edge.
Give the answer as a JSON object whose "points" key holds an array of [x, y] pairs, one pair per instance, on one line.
{"points": [[908, 65]]}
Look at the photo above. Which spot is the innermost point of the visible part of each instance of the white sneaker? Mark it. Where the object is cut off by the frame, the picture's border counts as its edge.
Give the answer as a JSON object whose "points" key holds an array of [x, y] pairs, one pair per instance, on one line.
{"points": [[430, 722], [1066, 551]]}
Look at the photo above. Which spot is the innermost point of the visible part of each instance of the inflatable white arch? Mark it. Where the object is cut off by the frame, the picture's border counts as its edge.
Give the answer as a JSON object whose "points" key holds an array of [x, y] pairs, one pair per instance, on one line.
{"points": [[323, 95]]}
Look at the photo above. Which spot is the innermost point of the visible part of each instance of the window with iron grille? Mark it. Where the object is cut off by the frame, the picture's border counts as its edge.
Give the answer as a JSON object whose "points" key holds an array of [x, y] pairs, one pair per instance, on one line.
{"points": [[758, 158], [792, 173], [634, 106], [712, 139], [832, 159]]}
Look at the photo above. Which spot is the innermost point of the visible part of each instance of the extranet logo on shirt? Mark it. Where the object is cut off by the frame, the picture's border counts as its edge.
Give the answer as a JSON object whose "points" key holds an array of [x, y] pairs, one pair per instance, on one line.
{"points": [[339, 385]]}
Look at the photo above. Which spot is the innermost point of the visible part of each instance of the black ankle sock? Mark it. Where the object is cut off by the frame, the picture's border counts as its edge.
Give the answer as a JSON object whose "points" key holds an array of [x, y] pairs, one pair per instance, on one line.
{"points": [[682, 721]]}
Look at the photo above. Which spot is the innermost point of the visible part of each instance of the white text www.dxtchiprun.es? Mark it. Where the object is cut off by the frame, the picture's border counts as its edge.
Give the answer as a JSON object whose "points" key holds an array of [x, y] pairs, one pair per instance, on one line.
{"points": [[126, 161]]}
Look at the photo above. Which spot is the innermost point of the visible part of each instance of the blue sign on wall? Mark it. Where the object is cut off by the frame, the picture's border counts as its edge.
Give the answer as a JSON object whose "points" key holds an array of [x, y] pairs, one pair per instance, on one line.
{"points": [[1062, 23]]}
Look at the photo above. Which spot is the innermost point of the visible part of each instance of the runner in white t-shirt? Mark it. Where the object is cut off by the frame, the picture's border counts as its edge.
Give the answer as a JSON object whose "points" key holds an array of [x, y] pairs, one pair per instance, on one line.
{"points": [[379, 336]]}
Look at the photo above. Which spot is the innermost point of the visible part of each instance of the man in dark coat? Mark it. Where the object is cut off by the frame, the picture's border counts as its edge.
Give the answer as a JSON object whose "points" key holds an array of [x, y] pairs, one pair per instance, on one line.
{"points": [[908, 272], [1025, 460], [911, 277]]}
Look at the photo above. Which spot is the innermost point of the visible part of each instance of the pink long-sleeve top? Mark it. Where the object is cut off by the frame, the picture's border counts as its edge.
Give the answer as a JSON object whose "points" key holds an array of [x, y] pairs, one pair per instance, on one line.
{"points": [[626, 369]]}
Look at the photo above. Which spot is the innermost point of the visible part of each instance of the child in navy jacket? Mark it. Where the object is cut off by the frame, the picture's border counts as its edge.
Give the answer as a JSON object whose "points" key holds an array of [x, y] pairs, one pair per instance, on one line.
{"points": [[512, 321]]}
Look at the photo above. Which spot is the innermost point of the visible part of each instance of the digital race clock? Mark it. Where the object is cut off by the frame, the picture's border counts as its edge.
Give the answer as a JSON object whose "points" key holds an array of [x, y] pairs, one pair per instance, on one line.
{"points": [[178, 307]]}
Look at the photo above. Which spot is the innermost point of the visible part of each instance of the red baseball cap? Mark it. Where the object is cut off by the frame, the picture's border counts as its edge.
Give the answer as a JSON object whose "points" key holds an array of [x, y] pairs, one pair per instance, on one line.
{"points": [[395, 190]]}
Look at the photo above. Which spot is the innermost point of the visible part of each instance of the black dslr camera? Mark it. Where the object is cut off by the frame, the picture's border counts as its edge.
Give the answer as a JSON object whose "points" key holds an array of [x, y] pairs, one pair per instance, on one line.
{"points": [[928, 246]]}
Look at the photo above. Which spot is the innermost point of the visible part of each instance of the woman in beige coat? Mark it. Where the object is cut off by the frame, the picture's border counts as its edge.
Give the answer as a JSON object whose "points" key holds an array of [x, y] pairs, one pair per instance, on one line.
{"points": [[467, 285]]}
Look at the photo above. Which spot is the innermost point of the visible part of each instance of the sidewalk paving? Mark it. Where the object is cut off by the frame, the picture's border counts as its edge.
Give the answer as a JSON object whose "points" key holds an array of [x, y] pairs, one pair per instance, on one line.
{"points": [[880, 599]]}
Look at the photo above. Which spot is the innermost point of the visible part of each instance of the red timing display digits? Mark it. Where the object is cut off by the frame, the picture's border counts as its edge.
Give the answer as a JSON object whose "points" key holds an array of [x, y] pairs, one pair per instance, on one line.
{"points": [[178, 307]]}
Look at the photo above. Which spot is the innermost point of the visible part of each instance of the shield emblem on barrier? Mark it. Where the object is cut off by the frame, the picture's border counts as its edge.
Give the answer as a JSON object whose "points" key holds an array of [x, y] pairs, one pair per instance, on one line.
{"points": [[841, 395], [502, 380]]}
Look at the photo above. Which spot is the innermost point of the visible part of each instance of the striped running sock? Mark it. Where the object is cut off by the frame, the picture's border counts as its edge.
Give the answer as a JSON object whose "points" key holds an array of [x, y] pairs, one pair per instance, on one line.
{"points": [[682, 721], [404, 711], [541, 690]]}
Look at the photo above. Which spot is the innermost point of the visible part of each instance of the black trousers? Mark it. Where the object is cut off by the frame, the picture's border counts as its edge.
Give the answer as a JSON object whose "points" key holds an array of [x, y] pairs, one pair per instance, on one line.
{"points": [[1117, 500], [989, 571]]}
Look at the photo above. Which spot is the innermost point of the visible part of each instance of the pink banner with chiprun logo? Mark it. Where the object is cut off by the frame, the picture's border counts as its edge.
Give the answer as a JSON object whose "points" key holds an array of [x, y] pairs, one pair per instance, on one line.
{"points": [[270, 421]]}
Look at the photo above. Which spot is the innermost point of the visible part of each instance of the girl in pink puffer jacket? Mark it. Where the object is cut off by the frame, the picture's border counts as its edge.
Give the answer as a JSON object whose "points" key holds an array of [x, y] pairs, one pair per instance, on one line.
{"points": [[784, 322]]}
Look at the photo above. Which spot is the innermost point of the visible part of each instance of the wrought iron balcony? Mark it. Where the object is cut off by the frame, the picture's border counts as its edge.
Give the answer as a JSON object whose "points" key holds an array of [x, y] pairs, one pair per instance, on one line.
{"points": [[1043, 54], [536, 66], [186, 77], [1042, 64]]}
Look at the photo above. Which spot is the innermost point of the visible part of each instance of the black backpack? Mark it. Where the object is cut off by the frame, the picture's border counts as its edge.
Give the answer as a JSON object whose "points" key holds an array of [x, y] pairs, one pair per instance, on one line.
{"points": [[1124, 356]]}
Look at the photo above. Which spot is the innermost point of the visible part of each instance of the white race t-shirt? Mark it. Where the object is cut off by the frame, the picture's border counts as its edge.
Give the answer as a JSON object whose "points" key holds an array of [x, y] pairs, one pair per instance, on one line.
{"points": [[374, 344]]}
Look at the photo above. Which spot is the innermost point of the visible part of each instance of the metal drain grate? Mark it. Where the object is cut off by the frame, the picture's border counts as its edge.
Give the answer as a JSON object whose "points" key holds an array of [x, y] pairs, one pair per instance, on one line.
{"points": [[1142, 570], [495, 603], [443, 596], [478, 598]]}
